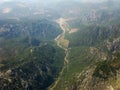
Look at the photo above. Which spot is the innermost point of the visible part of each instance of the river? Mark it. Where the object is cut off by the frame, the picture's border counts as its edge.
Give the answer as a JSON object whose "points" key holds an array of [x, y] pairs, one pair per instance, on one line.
{"points": [[62, 43]]}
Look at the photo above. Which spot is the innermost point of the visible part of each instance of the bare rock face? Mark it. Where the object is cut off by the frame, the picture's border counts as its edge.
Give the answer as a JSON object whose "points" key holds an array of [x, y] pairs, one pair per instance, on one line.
{"points": [[86, 81], [100, 54], [114, 45], [104, 76]]}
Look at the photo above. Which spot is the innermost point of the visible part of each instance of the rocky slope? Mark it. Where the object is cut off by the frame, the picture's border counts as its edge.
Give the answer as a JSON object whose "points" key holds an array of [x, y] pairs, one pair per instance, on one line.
{"points": [[94, 58], [30, 59]]}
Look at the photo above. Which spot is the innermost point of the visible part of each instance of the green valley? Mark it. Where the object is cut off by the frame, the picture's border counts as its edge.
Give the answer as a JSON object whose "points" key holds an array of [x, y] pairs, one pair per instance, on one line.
{"points": [[60, 45]]}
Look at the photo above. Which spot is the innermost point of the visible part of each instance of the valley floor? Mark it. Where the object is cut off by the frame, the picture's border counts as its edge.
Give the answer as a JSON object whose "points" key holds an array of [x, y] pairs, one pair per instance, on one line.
{"points": [[62, 43]]}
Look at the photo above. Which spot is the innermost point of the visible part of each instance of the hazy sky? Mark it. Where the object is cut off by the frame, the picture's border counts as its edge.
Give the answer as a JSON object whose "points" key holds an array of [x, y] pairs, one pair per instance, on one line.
{"points": [[54, 0]]}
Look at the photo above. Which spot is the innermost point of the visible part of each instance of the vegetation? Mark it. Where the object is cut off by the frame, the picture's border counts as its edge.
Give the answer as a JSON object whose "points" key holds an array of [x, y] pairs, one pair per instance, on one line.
{"points": [[104, 70], [30, 58], [93, 35], [95, 26], [36, 70]]}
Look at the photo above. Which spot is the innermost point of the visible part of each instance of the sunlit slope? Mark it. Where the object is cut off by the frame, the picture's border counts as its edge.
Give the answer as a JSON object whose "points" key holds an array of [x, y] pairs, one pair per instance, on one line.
{"points": [[94, 49]]}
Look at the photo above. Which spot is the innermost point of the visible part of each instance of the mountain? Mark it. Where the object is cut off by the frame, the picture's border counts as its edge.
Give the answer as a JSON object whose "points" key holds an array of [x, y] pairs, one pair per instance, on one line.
{"points": [[93, 36], [60, 45], [29, 54]]}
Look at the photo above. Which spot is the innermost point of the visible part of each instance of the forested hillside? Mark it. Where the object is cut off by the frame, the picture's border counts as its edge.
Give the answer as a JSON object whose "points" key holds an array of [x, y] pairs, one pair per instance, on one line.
{"points": [[29, 58], [94, 38]]}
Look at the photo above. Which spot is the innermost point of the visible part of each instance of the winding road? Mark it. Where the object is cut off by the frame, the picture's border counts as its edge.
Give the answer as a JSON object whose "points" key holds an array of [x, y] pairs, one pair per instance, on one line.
{"points": [[62, 43]]}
